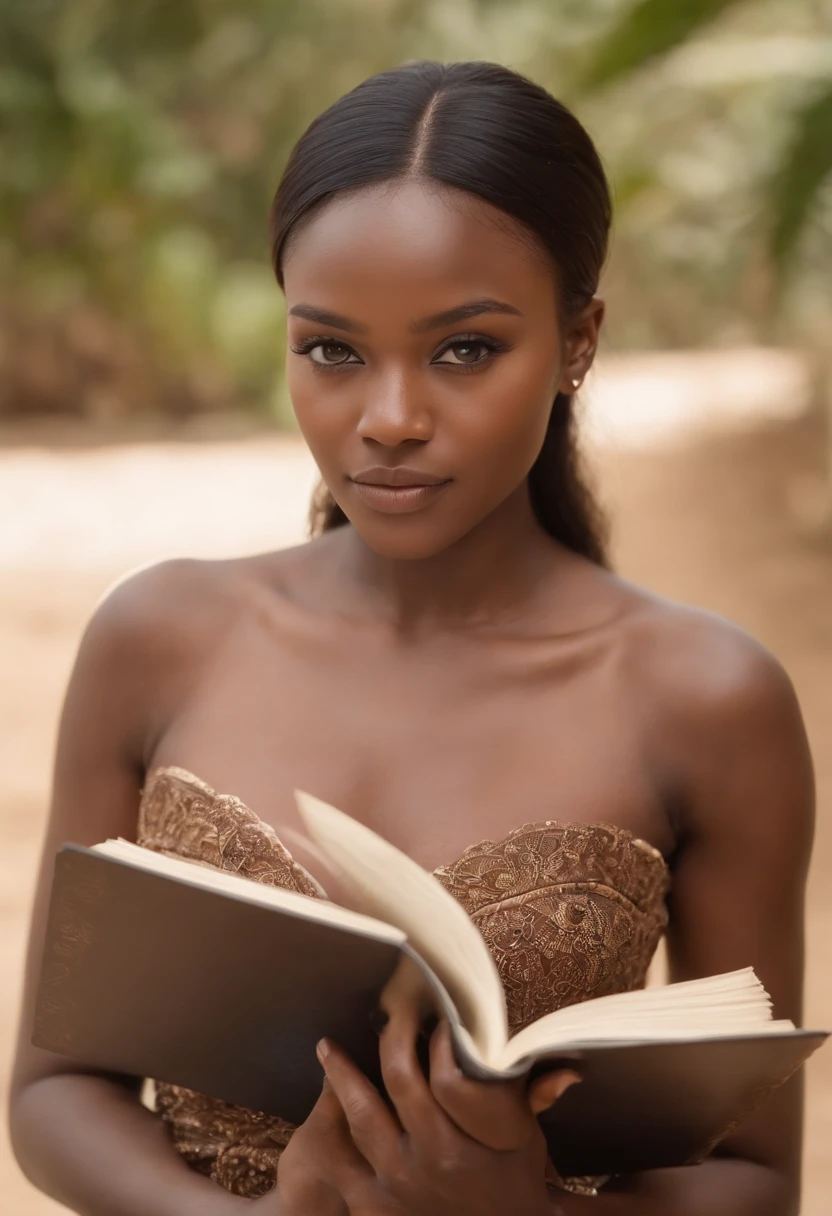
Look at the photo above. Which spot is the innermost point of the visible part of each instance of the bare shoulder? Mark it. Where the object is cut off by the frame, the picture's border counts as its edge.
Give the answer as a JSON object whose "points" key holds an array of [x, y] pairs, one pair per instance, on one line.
{"points": [[175, 611], [162, 612], [721, 721], [146, 642], [699, 665], [171, 602]]}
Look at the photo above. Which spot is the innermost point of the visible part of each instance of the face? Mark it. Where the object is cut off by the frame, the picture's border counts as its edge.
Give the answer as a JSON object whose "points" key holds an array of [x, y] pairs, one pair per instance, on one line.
{"points": [[425, 351]]}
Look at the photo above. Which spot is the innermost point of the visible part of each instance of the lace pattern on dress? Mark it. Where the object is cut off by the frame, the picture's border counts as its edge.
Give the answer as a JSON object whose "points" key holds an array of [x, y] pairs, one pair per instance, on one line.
{"points": [[569, 911]]}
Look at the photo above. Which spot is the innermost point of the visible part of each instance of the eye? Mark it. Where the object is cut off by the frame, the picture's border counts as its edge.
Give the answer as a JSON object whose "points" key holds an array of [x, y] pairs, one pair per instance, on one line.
{"points": [[465, 346], [326, 349], [308, 345], [462, 346]]}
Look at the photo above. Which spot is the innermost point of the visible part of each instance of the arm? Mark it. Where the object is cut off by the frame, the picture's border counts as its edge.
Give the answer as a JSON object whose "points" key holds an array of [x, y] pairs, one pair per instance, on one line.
{"points": [[85, 1139], [742, 774]]}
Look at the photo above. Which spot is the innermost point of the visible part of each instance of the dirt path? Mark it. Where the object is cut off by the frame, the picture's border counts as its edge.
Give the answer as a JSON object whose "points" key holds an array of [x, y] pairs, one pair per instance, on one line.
{"points": [[704, 522]]}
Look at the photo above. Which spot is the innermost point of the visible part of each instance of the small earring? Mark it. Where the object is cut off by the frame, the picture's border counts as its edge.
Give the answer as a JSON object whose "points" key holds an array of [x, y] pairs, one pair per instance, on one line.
{"points": [[576, 384]]}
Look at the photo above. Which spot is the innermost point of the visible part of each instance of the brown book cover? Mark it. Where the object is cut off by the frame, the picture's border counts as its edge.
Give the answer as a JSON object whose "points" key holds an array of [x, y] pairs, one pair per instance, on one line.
{"points": [[158, 976]]}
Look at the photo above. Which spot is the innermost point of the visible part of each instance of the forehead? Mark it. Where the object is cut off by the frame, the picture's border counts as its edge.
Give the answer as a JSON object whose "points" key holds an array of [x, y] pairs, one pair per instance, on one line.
{"points": [[414, 237]]}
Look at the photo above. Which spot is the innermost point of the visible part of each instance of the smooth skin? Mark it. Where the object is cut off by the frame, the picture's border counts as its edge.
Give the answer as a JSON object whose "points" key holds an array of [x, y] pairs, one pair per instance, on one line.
{"points": [[444, 675]]}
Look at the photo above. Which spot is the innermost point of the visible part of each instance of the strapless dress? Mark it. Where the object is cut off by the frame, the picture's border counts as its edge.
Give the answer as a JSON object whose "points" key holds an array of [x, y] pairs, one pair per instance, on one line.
{"points": [[570, 911]]}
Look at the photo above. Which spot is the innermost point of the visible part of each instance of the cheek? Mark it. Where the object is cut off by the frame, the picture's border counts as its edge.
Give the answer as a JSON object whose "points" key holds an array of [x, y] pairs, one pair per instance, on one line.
{"points": [[502, 433], [324, 418]]}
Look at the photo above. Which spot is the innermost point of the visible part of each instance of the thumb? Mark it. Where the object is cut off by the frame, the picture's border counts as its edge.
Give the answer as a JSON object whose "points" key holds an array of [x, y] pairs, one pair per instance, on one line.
{"points": [[545, 1091]]}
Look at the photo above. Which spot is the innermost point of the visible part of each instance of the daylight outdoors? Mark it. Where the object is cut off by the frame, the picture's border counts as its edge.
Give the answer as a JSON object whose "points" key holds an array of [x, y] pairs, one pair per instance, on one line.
{"points": [[143, 410]]}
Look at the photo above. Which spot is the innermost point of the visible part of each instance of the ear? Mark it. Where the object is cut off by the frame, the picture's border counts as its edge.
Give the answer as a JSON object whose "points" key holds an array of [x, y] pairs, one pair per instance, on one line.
{"points": [[580, 344]]}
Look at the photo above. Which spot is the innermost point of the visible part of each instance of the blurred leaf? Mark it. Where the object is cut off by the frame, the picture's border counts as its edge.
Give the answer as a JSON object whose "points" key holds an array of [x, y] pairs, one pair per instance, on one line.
{"points": [[180, 277], [632, 183], [649, 29], [247, 319], [805, 166]]}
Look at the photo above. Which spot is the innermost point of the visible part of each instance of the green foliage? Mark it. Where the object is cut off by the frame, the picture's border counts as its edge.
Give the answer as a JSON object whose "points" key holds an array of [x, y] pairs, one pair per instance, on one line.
{"points": [[807, 164], [140, 145], [649, 29]]}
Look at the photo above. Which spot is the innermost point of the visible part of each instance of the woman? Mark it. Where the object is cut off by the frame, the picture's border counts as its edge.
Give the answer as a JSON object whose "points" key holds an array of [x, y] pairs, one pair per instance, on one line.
{"points": [[450, 660]]}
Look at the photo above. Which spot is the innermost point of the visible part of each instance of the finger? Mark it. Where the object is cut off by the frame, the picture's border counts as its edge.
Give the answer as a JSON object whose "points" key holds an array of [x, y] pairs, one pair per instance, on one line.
{"points": [[328, 1119], [337, 1150], [404, 1077], [545, 1091], [372, 1127], [321, 1169], [495, 1113]]}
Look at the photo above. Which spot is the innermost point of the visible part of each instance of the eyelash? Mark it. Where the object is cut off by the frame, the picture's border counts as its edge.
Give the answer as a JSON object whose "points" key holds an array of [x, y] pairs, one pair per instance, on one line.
{"points": [[491, 344]]}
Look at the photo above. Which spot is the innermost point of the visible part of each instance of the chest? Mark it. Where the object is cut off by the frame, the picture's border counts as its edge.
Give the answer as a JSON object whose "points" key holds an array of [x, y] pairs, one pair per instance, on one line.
{"points": [[436, 744]]}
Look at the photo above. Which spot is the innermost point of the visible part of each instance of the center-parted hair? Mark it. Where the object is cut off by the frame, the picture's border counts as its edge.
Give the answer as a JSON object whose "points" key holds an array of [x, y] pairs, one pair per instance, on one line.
{"points": [[485, 129]]}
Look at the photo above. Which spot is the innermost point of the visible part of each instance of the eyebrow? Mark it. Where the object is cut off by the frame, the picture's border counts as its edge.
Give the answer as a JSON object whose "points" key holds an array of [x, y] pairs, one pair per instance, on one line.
{"points": [[309, 312]]}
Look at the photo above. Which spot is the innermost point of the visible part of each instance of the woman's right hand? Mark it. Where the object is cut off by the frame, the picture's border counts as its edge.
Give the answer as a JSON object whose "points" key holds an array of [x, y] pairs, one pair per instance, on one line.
{"points": [[318, 1166]]}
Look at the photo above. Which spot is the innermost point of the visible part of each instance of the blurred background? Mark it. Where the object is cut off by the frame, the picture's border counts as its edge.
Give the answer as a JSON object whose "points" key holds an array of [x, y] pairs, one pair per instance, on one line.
{"points": [[143, 410]]}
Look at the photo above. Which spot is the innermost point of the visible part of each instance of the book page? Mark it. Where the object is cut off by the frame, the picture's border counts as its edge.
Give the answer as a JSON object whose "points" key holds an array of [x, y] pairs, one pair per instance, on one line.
{"points": [[387, 884], [716, 1006]]}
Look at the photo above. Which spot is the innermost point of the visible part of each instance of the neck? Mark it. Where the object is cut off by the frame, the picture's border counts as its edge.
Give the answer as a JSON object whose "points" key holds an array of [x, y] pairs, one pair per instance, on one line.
{"points": [[487, 577]]}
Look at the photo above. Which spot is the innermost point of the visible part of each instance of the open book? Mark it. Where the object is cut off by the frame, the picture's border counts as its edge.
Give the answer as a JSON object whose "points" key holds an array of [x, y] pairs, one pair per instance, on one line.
{"points": [[160, 967]]}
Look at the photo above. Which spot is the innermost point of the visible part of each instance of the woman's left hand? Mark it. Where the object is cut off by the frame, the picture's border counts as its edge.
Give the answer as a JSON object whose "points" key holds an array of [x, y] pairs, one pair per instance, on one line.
{"points": [[451, 1146]]}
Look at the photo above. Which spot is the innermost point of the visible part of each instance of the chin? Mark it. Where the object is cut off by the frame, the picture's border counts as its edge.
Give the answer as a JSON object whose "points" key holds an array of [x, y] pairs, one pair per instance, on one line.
{"points": [[410, 540]]}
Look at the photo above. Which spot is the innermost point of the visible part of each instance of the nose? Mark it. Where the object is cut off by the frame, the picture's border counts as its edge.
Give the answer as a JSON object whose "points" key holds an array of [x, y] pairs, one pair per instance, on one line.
{"points": [[395, 412]]}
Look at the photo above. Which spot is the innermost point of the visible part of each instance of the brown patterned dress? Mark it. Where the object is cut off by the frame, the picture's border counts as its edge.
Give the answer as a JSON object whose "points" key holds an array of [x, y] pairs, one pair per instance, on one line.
{"points": [[569, 911]]}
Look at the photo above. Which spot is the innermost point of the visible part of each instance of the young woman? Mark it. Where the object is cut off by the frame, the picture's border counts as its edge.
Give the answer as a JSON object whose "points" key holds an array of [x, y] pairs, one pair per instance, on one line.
{"points": [[450, 660]]}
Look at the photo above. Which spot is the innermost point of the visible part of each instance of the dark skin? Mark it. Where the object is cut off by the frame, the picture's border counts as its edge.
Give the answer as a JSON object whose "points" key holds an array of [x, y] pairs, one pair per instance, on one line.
{"points": [[444, 675]]}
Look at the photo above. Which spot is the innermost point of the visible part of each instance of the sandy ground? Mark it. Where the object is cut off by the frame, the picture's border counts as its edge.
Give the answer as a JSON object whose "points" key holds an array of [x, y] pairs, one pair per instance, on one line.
{"points": [[701, 509]]}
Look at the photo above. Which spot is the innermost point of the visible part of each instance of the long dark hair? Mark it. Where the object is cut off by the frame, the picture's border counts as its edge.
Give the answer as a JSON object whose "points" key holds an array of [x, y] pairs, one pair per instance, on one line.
{"points": [[485, 129]]}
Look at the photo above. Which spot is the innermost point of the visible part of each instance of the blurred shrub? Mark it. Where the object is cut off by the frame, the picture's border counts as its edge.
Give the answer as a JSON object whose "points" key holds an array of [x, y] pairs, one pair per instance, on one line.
{"points": [[140, 145]]}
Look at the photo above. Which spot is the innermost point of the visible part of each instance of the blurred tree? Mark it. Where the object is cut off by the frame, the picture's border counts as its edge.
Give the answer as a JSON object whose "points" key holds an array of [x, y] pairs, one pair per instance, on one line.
{"points": [[794, 188], [651, 28], [140, 146]]}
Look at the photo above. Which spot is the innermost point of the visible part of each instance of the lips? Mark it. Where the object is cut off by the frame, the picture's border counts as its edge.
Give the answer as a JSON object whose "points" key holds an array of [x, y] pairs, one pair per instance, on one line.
{"points": [[397, 477], [397, 491]]}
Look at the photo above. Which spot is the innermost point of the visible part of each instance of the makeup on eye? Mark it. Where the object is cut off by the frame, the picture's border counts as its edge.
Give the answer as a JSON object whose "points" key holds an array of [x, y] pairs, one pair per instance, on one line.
{"points": [[492, 345]]}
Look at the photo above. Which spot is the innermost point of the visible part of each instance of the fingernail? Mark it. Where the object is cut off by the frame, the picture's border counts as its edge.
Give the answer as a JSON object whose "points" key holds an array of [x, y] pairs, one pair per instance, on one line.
{"points": [[322, 1050], [567, 1083]]}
